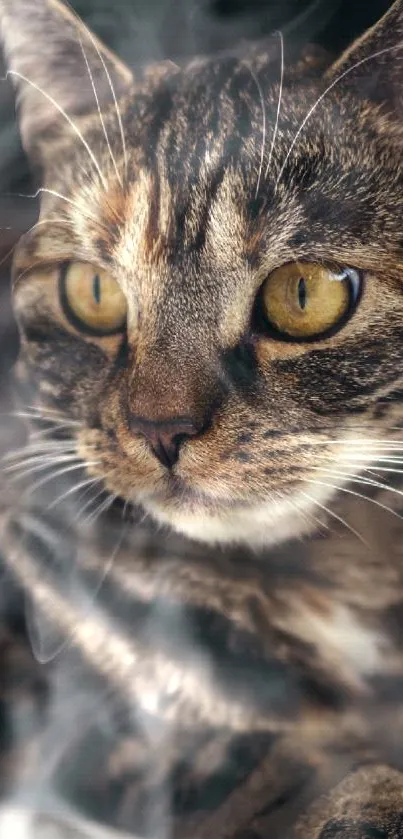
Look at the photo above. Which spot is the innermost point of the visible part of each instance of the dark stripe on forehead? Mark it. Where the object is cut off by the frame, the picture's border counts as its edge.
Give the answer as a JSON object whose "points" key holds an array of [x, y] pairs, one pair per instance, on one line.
{"points": [[161, 107], [213, 125], [200, 233], [214, 108], [152, 234]]}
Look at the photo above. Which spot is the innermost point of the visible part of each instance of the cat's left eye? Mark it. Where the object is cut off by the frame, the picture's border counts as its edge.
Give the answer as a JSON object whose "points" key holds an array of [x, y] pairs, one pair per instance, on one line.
{"points": [[92, 299], [307, 300]]}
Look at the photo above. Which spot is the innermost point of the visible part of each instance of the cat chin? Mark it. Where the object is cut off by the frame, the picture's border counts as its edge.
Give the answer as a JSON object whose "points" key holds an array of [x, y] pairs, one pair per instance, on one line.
{"points": [[259, 525]]}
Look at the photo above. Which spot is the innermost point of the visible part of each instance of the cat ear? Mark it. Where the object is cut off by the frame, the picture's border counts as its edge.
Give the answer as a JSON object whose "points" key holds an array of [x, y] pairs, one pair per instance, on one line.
{"points": [[373, 66], [56, 64]]}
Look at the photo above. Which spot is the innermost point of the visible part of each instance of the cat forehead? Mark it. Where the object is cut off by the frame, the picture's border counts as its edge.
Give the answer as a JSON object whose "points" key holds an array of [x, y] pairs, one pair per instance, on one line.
{"points": [[192, 127], [222, 184], [221, 160]]}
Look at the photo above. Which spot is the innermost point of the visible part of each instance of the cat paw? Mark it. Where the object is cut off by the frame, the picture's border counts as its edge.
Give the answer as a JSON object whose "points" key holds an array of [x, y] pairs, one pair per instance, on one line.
{"points": [[353, 829], [367, 804]]}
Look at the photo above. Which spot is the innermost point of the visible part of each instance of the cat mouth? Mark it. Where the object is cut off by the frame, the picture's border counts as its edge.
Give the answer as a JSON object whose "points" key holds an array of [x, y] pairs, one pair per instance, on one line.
{"points": [[181, 495], [214, 519], [177, 496], [209, 519]]}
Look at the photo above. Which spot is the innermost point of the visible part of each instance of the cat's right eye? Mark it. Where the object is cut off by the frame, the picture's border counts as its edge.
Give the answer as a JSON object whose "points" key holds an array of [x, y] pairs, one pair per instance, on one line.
{"points": [[92, 299]]}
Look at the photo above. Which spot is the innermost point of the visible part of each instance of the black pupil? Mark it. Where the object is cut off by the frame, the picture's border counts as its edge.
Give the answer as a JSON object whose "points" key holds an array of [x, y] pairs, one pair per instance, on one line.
{"points": [[96, 289], [302, 293]]}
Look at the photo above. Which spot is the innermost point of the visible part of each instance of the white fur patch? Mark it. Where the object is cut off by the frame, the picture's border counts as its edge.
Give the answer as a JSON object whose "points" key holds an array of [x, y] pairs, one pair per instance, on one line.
{"points": [[15, 824], [267, 523], [271, 522], [20, 823], [357, 647]]}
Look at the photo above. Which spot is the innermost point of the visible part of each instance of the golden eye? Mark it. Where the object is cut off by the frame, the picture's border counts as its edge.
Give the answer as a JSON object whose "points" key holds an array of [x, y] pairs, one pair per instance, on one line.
{"points": [[92, 299], [303, 300]]}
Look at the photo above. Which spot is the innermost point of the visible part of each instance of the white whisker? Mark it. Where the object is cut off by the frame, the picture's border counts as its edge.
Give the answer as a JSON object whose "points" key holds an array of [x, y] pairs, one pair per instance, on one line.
{"points": [[86, 483], [58, 220], [356, 495], [36, 456], [354, 478], [335, 516], [44, 464], [112, 89], [45, 432], [65, 222], [306, 515], [62, 197], [92, 518], [325, 92], [8, 253], [60, 472], [65, 115], [26, 453], [46, 417], [126, 504], [88, 503], [372, 472], [40, 408], [262, 102], [111, 559], [278, 104], [363, 459], [374, 461], [102, 121], [357, 441]]}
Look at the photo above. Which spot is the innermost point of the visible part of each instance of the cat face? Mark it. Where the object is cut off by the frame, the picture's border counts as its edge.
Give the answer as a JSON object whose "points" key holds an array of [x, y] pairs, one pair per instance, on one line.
{"points": [[213, 290]]}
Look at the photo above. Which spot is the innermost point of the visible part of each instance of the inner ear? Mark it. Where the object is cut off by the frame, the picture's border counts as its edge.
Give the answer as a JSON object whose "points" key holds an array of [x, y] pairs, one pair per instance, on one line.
{"points": [[372, 67], [58, 67]]}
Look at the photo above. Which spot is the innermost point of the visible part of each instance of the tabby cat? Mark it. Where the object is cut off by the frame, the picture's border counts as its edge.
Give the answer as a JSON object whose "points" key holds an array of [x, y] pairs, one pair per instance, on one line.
{"points": [[203, 523]]}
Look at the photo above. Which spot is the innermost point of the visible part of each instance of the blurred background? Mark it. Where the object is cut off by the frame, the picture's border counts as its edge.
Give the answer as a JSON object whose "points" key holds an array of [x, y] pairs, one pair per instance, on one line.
{"points": [[141, 31]]}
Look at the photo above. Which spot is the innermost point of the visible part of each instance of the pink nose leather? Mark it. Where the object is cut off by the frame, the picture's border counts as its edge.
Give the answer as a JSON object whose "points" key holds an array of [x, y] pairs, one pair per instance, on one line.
{"points": [[165, 437]]}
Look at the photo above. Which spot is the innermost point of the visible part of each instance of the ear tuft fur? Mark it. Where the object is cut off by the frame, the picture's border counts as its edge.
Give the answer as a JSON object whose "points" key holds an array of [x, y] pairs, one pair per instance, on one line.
{"points": [[372, 67]]}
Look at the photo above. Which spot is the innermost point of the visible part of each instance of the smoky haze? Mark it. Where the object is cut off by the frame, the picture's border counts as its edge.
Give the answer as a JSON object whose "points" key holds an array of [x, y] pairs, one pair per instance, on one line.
{"points": [[140, 31]]}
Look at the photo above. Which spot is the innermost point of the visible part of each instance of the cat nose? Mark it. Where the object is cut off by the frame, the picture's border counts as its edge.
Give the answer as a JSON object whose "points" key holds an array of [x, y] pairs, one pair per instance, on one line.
{"points": [[165, 437]]}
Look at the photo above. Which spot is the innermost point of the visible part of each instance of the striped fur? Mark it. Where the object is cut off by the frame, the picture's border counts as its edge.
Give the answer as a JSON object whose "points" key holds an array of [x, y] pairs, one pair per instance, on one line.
{"points": [[250, 691]]}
